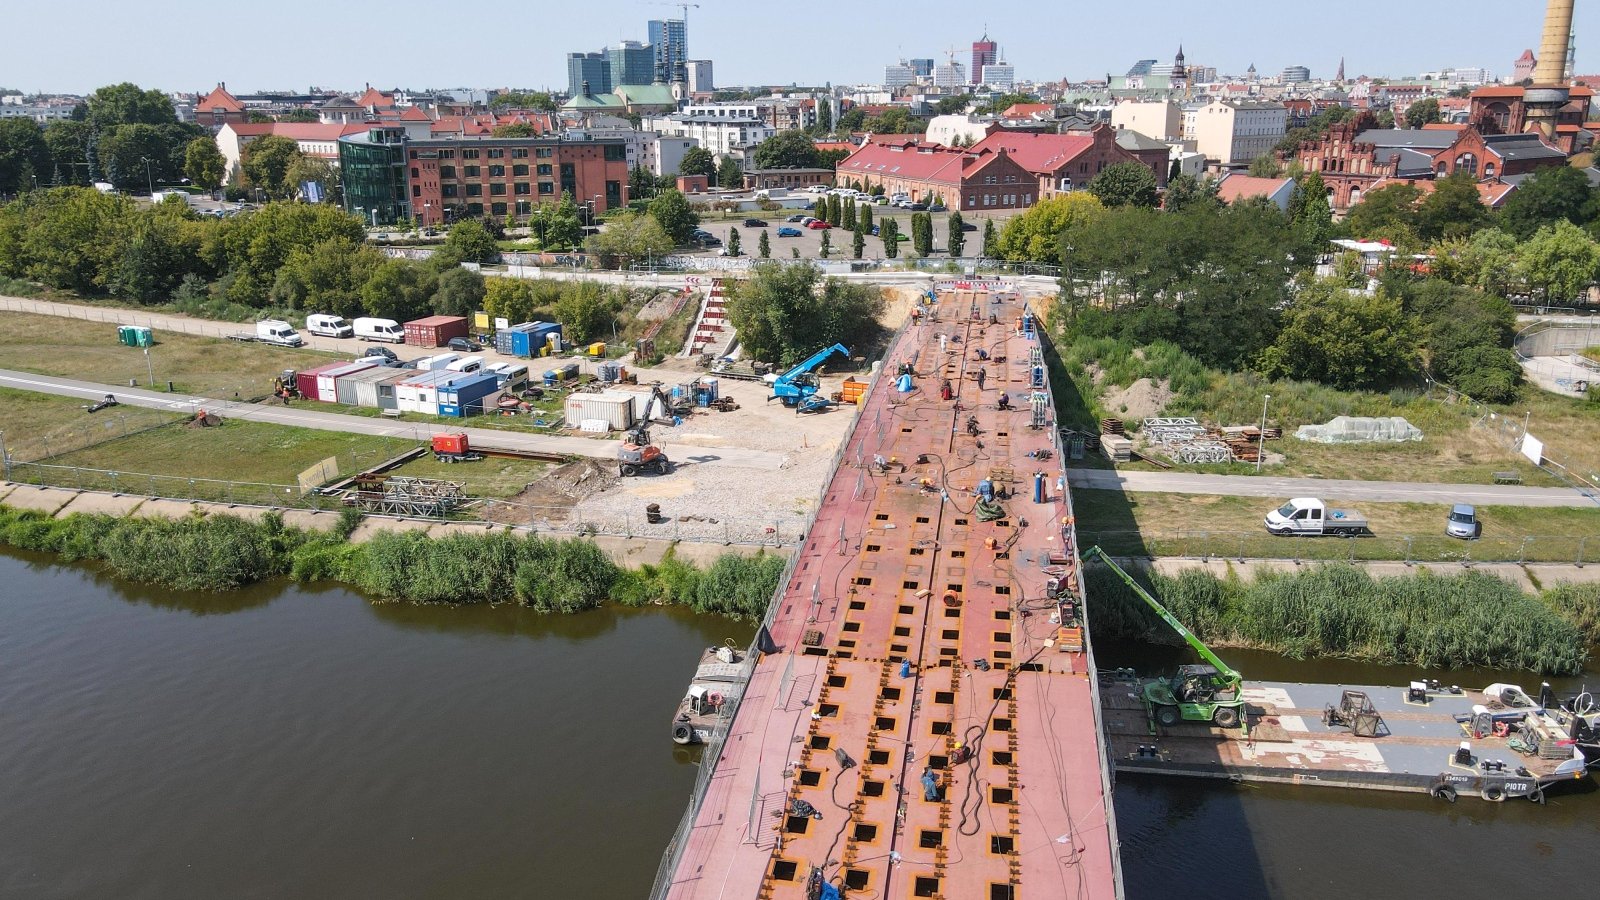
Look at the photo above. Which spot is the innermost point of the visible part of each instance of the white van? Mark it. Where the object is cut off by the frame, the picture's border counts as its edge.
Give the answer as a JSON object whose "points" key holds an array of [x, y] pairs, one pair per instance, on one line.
{"points": [[466, 364], [273, 331], [329, 326], [379, 330]]}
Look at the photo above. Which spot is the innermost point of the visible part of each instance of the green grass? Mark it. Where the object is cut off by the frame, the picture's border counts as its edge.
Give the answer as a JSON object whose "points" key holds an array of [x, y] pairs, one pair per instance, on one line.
{"points": [[1152, 524], [37, 425], [491, 477], [88, 351]]}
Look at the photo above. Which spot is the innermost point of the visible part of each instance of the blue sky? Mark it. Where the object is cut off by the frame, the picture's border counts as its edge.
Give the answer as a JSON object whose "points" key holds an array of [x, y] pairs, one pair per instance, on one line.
{"points": [[73, 45]]}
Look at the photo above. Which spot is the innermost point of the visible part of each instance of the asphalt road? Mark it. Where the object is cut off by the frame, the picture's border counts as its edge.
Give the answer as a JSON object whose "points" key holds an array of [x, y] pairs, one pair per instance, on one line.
{"points": [[302, 415], [1284, 488]]}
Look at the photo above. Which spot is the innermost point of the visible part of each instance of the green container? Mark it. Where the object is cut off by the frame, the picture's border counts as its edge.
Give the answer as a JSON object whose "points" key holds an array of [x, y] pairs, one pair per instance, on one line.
{"points": [[135, 336]]}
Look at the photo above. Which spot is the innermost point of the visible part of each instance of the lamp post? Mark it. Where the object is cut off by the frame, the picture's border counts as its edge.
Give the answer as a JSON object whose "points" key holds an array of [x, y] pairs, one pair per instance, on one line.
{"points": [[149, 180], [1261, 452], [149, 368]]}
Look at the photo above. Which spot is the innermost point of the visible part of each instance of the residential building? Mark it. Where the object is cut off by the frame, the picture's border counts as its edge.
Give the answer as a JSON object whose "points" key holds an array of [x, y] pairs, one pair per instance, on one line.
{"points": [[219, 108], [630, 62], [41, 111], [666, 153], [722, 136], [1236, 186], [1234, 132], [670, 39], [1152, 153], [1295, 75], [1001, 76], [949, 75], [1060, 163], [588, 73], [700, 76], [313, 138], [1156, 118], [898, 76], [984, 52], [967, 180], [953, 130], [444, 179]]}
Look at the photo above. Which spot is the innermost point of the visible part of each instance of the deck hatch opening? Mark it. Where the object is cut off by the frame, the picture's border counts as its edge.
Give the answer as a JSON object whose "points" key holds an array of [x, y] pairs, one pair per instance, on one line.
{"points": [[905, 431], [910, 585], [890, 693], [784, 869], [797, 824], [947, 651], [958, 554], [881, 517], [1002, 725], [961, 521], [1002, 891], [872, 789], [1002, 844], [1002, 637], [857, 879], [1002, 693], [1001, 654], [902, 631], [884, 723], [816, 651], [1000, 794], [1002, 615], [954, 588], [878, 757], [950, 634], [852, 626], [1031, 667], [925, 886], [930, 839], [1002, 434], [1002, 590], [897, 648], [821, 742], [863, 580], [874, 548], [1003, 555], [923, 520], [858, 604], [1002, 757], [810, 777], [939, 761], [907, 609], [838, 680], [941, 727], [952, 612], [919, 551], [848, 644], [827, 709], [944, 696], [865, 832]]}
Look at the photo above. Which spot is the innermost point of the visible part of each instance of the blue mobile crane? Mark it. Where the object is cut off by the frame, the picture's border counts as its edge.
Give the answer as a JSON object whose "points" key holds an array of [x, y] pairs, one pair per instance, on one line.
{"points": [[797, 385]]}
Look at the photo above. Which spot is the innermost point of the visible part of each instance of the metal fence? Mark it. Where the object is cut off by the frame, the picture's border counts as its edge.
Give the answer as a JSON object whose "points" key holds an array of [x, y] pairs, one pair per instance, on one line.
{"points": [[155, 321], [1412, 548], [1515, 435]]}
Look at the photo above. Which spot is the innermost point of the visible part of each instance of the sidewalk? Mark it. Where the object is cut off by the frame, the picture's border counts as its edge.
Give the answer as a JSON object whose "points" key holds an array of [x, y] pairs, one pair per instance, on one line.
{"points": [[1523, 575]]}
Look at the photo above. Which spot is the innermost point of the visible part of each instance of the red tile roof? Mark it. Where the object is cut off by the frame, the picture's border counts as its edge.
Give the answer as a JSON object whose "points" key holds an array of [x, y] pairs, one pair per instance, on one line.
{"points": [[1026, 110], [1237, 187], [1038, 153], [375, 97], [414, 114], [296, 131], [917, 161], [836, 145], [219, 100], [1511, 91]]}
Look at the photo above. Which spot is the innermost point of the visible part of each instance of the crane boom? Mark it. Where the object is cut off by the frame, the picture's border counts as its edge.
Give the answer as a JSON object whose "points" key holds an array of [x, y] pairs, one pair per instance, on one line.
{"points": [[816, 359], [1199, 647]]}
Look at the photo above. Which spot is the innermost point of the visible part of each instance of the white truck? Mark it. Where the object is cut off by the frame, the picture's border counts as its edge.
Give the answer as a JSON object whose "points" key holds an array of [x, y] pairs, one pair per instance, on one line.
{"points": [[1310, 516], [329, 326], [273, 331], [368, 329]]}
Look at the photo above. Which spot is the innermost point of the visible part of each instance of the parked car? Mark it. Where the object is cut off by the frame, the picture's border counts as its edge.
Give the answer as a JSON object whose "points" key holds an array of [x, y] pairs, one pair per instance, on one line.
{"points": [[818, 225], [918, 207], [381, 353], [937, 207], [786, 231], [797, 218], [464, 345], [1463, 522], [968, 226], [880, 200], [754, 223]]}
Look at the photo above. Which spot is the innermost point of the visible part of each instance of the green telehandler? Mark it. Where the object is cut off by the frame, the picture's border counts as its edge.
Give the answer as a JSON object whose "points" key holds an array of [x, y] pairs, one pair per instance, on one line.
{"points": [[1197, 693]]}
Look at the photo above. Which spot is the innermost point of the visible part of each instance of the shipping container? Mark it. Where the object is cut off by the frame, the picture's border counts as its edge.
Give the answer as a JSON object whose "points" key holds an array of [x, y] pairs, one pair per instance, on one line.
{"points": [[361, 388], [525, 339], [614, 408], [435, 331], [327, 382], [465, 395], [307, 381], [419, 393]]}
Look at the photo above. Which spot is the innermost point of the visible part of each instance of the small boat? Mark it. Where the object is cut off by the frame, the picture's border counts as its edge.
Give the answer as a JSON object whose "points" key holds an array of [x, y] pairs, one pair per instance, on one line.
{"points": [[713, 694]]}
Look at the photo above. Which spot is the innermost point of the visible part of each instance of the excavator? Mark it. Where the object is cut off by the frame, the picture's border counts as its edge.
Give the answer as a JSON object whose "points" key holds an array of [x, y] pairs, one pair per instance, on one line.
{"points": [[1196, 693], [637, 454], [798, 384]]}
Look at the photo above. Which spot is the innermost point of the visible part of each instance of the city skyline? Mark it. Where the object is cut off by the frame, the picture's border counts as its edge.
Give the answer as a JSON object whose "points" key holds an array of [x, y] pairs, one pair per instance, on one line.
{"points": [[755, 46]]}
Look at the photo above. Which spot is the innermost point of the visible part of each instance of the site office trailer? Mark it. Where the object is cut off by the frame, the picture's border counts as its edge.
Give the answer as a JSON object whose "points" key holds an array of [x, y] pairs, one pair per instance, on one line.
{"points": [[435, 331], [327, 382], [361, 388], [421, 392], [306, 381], [465, 395]]}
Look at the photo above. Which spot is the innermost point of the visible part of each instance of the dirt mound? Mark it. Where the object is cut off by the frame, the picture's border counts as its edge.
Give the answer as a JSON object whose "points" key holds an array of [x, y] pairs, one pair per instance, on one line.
{"points": [[558, 491], [1140, 400]]}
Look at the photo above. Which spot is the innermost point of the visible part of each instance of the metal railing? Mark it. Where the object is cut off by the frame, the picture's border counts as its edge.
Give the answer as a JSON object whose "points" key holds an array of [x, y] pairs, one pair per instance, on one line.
{"points": [[1408, 548]]}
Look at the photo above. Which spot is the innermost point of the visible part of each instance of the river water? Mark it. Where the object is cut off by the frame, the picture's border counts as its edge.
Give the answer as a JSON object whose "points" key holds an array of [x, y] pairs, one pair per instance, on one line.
{"points": [[292, 741]]}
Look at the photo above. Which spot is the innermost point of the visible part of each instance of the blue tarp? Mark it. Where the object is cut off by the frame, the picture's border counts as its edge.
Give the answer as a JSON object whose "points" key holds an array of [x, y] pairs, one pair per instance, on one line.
{"points": [[904, 384]]}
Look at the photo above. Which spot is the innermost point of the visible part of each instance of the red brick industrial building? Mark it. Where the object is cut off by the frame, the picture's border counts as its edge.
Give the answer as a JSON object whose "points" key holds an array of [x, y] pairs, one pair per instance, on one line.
{"points": [[498, 177], [1064, 162], [966, 179]]}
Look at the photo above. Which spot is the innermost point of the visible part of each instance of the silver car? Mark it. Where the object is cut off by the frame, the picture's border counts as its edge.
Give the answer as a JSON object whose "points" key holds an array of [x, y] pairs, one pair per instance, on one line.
{"points": [[1463, 522]]}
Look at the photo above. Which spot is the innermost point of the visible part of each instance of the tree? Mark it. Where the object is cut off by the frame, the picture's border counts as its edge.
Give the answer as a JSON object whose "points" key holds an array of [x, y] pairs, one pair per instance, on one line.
{"points": [[730, 175], [1454, 208], [1035, 236], [586, 310], [787, 150], [1186, 191], [1549, 195], [827, 242], [204, 164], [1347, 339], [400, 289], [889, 230], [531, 100], [1309, 210], [460, 292], [1003, 102], [847, 213], [71, 152], [785, 312], [1423, 112], [858, 244], [70, 238], [1487, 261], [835, 210], [515, 130], [991, 240], [1125, 184], [958, 237], [521, 299], [853, 119], [470, 241], [896, 120], [159, 252], [949, 106], [671, 209], [1266, 166], [1388, 212], [1560, 259], [556, 225], [24, 156], [266, 163], [824, 117], [864, 218], [764, 245], [629, 237], [733, 242], [922, 233], [313, 170], [641, 183], [134, 156], [306, 116], [128, 104], [698, 161]]}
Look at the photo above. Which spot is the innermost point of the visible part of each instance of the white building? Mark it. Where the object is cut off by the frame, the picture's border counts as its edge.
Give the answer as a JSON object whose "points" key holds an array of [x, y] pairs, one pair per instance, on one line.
{"points": [[699, 72], [1001, 76], [968, 130], [898, 76], [667, 154], [313, 138], [1234, 132], [950, 75], [723, 136], [1162, 119]]}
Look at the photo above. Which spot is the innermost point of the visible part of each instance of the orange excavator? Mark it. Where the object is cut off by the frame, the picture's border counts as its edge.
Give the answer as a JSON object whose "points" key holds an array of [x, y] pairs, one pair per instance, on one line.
{"points": [[637, 454]]}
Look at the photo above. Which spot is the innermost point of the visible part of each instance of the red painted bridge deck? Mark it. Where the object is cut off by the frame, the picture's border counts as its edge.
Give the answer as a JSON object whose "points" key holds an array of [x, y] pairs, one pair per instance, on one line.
{"points": [[900, 572]]}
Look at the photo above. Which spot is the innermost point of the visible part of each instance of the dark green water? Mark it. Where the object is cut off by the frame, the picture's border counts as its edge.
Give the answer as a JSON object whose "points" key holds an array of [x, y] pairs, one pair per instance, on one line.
{"points": [[300, 742]]}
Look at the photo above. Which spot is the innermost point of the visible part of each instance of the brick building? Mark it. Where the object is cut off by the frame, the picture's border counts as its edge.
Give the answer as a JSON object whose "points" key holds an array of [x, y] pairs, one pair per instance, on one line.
{"points": [[219, 108], [966, 179], [449, 178], [1500, 109], [1063, 162]]}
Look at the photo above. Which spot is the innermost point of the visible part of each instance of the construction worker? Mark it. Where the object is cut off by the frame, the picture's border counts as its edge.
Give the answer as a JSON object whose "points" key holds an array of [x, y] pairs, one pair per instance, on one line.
{"points": [[986, 490], [1005, 401], [983, 373], [945, 390], [930, 785]]}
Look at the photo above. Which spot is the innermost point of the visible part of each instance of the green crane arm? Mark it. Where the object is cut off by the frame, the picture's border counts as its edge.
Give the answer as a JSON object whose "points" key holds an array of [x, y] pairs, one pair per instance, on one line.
{"points": [[1199, 647]]}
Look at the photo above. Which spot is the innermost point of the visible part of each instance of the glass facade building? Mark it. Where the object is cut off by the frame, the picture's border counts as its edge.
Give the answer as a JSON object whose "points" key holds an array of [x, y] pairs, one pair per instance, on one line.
{"points": [[372, 166]]}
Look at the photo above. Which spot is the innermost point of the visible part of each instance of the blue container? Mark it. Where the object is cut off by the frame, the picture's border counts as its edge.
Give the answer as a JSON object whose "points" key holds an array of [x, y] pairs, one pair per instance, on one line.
{"points": [[502, 343], [541, 334], [464, 395], [523, 342]]}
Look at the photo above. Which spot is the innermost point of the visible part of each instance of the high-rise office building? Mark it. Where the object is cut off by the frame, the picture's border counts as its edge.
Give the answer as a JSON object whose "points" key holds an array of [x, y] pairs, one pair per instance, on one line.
{"points": [[631, 62], [591, 69], [984, 52], [898, 76], [670, 38], [922, 68], [1295, 75], [949, 75], [700, 80], [1001, 76]]}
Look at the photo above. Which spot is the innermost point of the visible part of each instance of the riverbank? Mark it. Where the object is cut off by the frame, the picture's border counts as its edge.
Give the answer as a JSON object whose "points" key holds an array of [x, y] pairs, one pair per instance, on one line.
{"points": [[214, 551]]}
